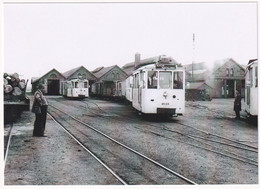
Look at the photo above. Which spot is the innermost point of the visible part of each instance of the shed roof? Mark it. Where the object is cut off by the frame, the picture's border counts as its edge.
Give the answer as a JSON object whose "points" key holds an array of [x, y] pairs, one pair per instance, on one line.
{"points": [[220, 63], [198, 85], [33, 80], [100, 71], [69, 73]]}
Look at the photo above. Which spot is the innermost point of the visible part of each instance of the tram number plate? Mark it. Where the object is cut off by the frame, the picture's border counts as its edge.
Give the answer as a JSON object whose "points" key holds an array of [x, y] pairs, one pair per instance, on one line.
{"points": [[165, 103]]}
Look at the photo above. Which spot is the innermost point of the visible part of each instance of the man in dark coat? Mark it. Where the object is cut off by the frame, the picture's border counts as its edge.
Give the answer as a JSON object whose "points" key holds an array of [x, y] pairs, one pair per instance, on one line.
{"points": [[237, 105], [39, 107]]}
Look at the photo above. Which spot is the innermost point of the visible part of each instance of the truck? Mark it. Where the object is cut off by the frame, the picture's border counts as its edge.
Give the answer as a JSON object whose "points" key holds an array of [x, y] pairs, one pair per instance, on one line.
{"points": [[15, 99]]}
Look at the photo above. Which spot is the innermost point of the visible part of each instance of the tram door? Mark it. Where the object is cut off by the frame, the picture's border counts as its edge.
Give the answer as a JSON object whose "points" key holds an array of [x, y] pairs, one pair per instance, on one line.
{"points": [[137, 92]]}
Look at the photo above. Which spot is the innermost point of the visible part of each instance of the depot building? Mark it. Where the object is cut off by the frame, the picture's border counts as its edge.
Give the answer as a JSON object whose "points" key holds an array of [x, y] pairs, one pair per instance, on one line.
{"points": [[52, 80]]}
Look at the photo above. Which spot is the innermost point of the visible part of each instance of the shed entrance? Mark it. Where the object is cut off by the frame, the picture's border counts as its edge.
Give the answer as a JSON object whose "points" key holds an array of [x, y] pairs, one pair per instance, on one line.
{"points": [[53, 87]]}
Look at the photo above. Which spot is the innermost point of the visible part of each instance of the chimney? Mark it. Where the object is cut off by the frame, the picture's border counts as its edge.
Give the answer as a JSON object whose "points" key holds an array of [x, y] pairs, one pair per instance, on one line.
{"points": [[137, 59]]}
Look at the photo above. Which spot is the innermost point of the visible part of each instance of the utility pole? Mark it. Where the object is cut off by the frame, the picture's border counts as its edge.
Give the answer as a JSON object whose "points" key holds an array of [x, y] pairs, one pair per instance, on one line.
{"points": [[193, 54]]}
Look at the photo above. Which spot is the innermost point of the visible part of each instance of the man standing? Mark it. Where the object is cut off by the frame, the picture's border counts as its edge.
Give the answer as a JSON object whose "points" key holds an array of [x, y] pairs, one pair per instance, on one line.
{"points": [[39, 107], [237, 105]]}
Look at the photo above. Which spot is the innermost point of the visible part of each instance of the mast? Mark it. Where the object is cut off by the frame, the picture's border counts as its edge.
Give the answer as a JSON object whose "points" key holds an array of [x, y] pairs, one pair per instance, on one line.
{"points": [[193, 54]]}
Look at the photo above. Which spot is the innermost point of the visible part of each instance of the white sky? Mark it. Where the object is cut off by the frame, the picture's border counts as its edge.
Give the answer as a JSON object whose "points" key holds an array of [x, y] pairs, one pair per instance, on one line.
{"points": [[39, 37]]}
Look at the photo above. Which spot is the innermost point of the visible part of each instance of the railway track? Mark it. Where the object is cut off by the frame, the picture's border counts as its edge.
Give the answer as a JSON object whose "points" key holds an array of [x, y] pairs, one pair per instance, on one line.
{"points": [[208, 139], [7, 140], [214, 143], [120, 175]]}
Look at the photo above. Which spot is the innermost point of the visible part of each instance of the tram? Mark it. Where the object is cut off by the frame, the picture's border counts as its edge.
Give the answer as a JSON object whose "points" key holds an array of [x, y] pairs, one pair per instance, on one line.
{"points": [[75, 88], [251, 88], [157, 88]]}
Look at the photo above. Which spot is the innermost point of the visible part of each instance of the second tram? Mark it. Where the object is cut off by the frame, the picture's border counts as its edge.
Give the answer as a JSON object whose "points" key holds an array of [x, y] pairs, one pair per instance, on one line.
{"points": [[75, 88], [251, 93]]}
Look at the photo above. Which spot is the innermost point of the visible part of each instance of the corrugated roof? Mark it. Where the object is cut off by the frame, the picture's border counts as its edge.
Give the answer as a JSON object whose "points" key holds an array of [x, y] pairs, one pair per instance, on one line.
{"points": [[102, 71], [70, 72], [98, 69]]}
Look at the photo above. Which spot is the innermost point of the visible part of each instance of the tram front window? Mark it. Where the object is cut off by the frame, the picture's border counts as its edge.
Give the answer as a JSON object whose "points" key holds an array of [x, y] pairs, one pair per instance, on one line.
{"points": [[178, 80], [152, 79], [165, 80]]}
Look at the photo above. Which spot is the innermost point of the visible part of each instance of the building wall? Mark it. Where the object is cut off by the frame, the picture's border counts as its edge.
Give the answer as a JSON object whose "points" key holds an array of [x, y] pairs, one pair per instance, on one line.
{"points": [[227, 79], [52, 75], [106, 85]]}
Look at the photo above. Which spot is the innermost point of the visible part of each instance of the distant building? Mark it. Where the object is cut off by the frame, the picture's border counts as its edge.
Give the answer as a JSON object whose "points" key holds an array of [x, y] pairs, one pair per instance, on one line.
{"points": [[108, 79], [80, 73], [223, 80], [197, 87], [227, 77], [50, 80], [53, 79]]}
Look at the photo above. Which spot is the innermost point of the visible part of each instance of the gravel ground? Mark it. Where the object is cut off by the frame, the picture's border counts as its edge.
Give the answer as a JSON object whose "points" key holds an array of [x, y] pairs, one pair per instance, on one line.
{"points": [[32, 161]]}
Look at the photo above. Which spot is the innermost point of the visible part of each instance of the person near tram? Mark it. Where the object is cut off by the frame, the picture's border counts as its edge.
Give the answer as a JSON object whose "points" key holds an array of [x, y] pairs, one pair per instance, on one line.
{"points": [[237, 104], [40, 106]]}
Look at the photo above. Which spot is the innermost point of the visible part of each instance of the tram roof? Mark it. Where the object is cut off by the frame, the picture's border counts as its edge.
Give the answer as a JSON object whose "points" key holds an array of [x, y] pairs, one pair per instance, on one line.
{"points": [[130, 67]]}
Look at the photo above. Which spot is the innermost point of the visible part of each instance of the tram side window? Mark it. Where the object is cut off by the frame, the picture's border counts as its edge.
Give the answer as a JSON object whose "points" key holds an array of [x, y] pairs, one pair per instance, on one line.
{"points": [[85, 84], [76, 84], [256, 77], [152, 79], [165, 80], [136, 81], [178, 80], [251, 77]]}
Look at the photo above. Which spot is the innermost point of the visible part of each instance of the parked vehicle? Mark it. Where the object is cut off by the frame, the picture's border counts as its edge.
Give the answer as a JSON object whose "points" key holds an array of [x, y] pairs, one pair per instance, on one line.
{"points": [[15, 99], [75, 88], [157, 88], [251, 89]]}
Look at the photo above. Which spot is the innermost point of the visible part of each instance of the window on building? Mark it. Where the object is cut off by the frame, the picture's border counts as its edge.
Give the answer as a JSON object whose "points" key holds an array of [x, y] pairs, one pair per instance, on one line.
{"points": [[53, 76], [117, 76], [79, 76], [256, 77], [227, 72]]}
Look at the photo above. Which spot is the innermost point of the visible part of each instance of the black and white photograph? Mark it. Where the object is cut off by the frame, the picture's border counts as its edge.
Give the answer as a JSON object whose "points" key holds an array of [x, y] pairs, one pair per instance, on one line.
{"points": [[139, 93]]}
